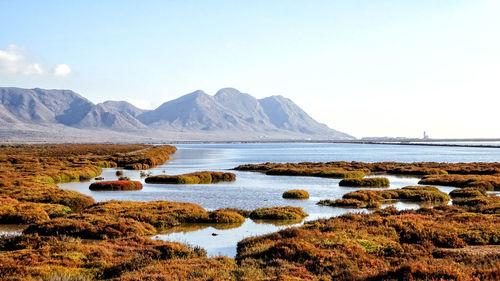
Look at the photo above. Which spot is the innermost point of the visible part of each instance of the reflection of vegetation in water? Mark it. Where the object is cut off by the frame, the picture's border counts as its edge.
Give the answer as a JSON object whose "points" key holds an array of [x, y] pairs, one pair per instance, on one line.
{"points": [[12, 229], [190, 227], [277, 222]]}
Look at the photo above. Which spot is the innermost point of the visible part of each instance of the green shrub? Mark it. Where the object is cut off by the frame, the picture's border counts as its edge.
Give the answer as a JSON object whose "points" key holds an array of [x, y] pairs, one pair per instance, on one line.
{"points": [[467, 192], [365, 182], [278, 213], [296, 194], [225, 216]]}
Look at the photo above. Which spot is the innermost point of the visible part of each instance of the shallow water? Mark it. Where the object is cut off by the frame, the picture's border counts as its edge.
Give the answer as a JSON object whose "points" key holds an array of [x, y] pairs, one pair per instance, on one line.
{"points": [[11, 229], [253, 190]]}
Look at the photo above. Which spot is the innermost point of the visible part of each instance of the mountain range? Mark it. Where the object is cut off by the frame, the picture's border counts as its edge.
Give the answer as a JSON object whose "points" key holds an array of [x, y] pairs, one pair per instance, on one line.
{"points": [[63, 115]]}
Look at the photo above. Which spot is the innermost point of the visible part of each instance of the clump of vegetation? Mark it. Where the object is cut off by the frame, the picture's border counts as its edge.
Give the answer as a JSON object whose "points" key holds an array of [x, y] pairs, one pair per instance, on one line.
{"points": [[487, 182], [481, 204], [14, 212], [90, 226], [116, 185], [467, 192], [28, 191], [315, 172], [279, 213], [415, 169], [146, 158], [205, 177], [422, 194], [375, 198], [296, 194], [304, 169], [76, 174], [350, 203], [243, 213], [225, 216], [365, 182], [160, 214]]}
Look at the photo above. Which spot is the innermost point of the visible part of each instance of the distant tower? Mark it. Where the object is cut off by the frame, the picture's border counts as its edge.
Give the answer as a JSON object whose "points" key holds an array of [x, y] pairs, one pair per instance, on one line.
{"points": [[426, 137]]}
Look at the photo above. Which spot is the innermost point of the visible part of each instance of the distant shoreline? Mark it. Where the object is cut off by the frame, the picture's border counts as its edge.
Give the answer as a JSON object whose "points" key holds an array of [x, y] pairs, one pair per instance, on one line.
{"points": [[414, 142], [417, 142]]}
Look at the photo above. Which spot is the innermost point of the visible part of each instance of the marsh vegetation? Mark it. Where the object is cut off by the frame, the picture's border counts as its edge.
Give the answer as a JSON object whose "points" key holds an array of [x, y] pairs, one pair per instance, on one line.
{"points": [[296, 194], [205, 177], [71, 237]]}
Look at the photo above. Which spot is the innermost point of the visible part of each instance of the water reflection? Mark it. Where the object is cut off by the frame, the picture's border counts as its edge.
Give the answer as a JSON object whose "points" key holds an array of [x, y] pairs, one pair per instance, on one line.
{"points": [[12, 229], [218, 241]]}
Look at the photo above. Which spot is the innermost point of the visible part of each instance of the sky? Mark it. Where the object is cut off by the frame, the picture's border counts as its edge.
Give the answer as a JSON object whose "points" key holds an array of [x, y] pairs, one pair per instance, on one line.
{"points": [[367, 68]]}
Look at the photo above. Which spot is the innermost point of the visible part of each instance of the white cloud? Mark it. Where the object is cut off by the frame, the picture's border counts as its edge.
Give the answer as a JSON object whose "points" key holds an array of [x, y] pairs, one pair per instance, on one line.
{"points": [[14, 60], [62, 70]]}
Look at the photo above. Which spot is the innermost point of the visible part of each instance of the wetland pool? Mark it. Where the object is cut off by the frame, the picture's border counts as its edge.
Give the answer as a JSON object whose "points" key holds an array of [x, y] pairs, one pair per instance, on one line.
{"points": [[253, 190]]}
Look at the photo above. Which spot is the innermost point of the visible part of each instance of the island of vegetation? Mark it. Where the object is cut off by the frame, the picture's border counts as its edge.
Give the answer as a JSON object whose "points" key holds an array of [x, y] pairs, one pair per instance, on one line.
{"points": [[487, 182], [116, 185], [205, 177], [305, 169], [71, 237], [391, 168], [375, 198], [279, 213], [365, 182], [296, 194]]}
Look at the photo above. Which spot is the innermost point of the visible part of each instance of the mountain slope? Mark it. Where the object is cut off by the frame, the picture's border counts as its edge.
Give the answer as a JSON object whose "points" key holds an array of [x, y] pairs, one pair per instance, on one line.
{"points": [[124, 106], [244, 106], [45, 107], [229, 115], [194, 111], [100, 116]]}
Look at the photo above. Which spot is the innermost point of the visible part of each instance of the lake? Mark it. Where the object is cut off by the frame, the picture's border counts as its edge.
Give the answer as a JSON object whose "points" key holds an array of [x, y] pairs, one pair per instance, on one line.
{"points": [[253, 190]]}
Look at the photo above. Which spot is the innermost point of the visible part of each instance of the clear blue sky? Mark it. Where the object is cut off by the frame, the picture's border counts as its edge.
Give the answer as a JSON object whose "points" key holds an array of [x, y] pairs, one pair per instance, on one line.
{"points": [[369, 68]]}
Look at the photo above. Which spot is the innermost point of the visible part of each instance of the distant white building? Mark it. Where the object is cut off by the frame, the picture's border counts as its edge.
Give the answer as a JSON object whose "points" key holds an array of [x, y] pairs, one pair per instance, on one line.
{"points": [[426, 137]]}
